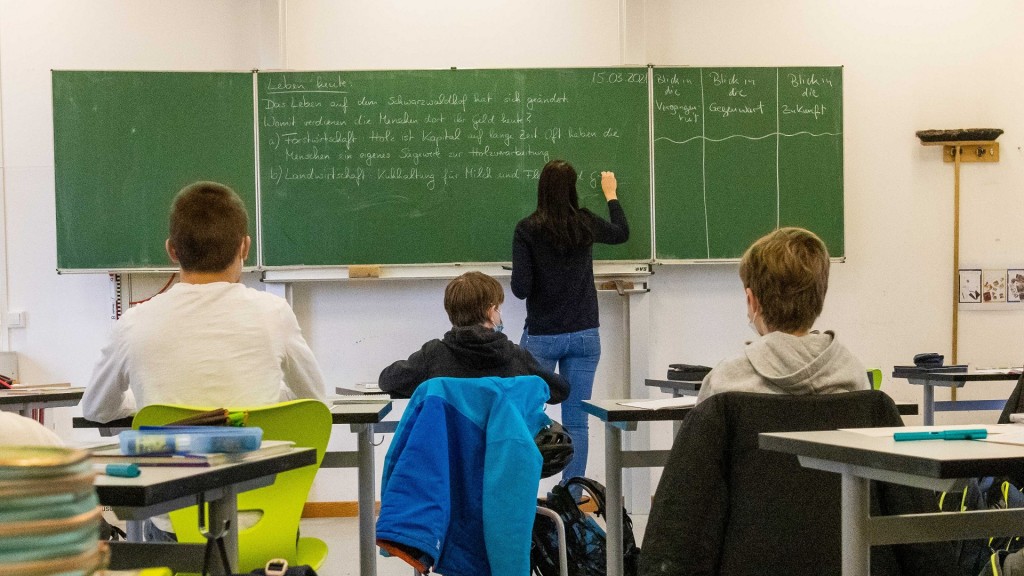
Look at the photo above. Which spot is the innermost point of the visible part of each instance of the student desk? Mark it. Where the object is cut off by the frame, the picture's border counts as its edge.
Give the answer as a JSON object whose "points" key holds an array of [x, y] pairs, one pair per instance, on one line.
{"points": [[364, 419], [617, 418], [160, 489], [929, 464], [930, 378], [25, 401], [676, 388]]}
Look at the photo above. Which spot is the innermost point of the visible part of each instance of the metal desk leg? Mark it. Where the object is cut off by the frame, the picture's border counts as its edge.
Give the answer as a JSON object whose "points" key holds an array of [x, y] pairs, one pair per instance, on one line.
{"points": [[367, 529], [133, 530], [613, 491], [856, 511], [928, 405], [226, 508]]}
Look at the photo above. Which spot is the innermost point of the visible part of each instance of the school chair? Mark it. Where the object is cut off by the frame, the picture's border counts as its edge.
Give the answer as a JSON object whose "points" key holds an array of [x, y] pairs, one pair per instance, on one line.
{"points": [[460, 480], [724, 506], [275, 535]]}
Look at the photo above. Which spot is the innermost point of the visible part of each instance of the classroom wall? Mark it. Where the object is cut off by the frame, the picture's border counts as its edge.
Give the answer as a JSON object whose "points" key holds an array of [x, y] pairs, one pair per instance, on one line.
{"points": [[908, 66]]}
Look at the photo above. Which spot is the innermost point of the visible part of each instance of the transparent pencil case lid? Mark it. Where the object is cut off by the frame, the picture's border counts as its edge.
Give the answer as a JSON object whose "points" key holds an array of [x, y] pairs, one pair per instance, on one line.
{"points": [[189, 440]]}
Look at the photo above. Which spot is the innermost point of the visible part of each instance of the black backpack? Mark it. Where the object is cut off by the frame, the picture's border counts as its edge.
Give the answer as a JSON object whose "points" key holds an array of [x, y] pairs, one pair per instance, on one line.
{"points": [[584, 537]]}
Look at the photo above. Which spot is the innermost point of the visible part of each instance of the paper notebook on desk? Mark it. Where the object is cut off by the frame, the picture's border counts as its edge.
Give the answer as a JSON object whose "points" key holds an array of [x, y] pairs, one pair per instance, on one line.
{"points": [[114, 456], [679, 402]]}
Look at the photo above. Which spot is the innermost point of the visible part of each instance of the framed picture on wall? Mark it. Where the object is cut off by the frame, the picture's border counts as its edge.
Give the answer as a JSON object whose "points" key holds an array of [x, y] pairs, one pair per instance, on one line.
{"points": [[1014, 285], [993, 286], [970, 286]]}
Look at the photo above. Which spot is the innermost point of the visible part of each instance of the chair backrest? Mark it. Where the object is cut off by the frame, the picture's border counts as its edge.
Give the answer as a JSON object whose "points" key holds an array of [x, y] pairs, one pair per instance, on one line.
{"points": [[875, 378], [275, 535], [724, 506]]}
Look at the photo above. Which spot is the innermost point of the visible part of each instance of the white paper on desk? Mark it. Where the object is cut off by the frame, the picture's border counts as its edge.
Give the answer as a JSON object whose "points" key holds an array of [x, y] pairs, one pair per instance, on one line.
{"points": [[1016, 438], [883, 432], [680, 402]]}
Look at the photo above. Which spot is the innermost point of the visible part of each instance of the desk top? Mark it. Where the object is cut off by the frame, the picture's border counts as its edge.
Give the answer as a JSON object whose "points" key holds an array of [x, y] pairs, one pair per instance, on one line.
{"points": [[609, 410], [159, 484], [938, 375], [681, 385], [360, 412], [944, 459], [41, 395]]}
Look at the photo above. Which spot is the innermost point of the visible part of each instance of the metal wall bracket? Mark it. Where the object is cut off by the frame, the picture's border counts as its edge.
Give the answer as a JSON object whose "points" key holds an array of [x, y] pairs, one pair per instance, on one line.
{"points": [[974, 152]]}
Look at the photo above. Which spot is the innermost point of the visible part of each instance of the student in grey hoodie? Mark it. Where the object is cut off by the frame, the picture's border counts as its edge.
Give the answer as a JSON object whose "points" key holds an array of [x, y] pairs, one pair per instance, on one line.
{"points": [[785, 277]]}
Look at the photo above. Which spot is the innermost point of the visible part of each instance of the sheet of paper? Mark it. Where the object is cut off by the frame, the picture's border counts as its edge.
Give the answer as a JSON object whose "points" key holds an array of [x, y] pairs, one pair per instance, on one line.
{"points": [[680, 402], [990, 428], [1008, 438]]}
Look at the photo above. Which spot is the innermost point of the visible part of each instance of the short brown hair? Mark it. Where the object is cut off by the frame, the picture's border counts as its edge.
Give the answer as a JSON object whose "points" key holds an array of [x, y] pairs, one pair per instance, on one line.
{"points": [[469, 296], [787, 270], [207, 226]]}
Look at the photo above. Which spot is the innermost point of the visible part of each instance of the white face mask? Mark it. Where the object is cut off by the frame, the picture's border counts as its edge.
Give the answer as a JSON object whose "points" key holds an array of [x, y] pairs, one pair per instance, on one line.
{"points": [[753, 325]]}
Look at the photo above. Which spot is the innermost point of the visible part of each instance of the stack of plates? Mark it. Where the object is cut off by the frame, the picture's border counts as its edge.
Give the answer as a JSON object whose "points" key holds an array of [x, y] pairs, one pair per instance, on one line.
{"points": [[49, 514]]}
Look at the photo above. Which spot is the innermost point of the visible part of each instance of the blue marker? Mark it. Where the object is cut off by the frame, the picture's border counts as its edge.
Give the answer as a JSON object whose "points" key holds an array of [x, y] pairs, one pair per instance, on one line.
{"points": [[972, 434], [129, 470]]}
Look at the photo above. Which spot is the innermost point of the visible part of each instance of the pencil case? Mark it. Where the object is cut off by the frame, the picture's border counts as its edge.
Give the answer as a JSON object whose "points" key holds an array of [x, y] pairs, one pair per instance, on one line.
{"points": [[189, 440]]}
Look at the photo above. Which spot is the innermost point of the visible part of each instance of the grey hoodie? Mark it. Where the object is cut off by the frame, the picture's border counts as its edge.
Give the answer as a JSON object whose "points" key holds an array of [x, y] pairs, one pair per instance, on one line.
{"points": [[780, 363]]}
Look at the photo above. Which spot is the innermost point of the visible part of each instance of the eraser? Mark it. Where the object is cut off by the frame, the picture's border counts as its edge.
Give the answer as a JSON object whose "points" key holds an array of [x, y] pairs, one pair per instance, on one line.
{"points": [[364, 271]]}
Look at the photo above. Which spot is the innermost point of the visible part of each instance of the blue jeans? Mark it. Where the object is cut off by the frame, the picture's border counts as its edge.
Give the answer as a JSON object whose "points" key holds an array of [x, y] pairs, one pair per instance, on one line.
{"points": [[576, 355]]}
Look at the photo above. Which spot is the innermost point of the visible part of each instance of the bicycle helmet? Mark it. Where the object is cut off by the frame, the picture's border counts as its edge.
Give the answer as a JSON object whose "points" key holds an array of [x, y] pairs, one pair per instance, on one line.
{"points": [[555, 446]]}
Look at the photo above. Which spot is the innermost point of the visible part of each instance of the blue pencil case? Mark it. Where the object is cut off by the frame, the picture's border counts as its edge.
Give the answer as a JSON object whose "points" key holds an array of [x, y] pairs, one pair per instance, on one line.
{"points": [[189, 440]]}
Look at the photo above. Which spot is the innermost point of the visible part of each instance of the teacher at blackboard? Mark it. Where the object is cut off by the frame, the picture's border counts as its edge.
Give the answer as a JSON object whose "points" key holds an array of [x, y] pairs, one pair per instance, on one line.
{"points": [[553, 269]]}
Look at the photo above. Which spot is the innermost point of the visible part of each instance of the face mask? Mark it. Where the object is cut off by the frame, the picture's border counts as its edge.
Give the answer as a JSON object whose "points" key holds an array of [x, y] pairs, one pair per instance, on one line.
{"points": [[753, 326], [499, 327]]}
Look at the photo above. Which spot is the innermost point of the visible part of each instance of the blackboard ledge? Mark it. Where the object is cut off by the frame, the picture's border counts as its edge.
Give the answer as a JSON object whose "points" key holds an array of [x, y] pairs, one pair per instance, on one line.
{"points": [[433, 271], [124, 270], [690, 262]]}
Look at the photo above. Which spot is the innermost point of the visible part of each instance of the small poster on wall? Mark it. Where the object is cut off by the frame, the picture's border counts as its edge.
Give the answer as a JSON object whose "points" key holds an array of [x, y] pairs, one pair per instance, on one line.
{"points": [[970, 286], [993, 286], [1014, 285]]}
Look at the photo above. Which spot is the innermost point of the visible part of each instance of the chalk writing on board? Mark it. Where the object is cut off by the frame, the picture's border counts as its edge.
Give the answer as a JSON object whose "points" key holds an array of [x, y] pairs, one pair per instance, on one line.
{"points": [[429, 139], [437, 166]]}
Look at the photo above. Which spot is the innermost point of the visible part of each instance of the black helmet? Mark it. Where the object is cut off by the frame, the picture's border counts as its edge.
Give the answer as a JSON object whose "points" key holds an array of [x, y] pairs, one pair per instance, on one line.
{"points": [[555, 445]]}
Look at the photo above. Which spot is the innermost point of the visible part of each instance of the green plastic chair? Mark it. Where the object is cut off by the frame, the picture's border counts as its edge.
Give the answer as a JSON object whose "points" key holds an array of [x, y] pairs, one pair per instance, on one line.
{"points": [[875, 378], [275, 535]]}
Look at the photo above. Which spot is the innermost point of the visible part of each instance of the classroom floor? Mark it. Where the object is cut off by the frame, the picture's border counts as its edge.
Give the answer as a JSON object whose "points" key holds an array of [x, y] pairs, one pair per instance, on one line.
{"points": [[342, 538]]}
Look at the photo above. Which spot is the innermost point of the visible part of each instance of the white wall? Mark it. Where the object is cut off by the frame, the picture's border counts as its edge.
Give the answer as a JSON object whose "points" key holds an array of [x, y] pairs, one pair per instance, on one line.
{"points": [[909, 66]]}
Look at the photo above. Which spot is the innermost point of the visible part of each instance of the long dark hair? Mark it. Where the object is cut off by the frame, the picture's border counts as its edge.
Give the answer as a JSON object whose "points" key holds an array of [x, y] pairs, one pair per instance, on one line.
{"points": [[558, 212]]}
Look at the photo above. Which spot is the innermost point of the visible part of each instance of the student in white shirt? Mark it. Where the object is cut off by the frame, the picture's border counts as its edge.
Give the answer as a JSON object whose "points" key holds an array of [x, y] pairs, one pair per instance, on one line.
{"points": [[209, 340]]}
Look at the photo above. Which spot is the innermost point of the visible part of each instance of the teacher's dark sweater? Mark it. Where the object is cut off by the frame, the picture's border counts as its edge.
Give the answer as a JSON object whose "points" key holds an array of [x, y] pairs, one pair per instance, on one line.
{"points": [[559, 286]]}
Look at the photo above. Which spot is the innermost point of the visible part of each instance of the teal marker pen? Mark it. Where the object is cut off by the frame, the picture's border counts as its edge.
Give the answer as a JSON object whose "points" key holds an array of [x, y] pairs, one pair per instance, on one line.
{"points": [[967, 434]]}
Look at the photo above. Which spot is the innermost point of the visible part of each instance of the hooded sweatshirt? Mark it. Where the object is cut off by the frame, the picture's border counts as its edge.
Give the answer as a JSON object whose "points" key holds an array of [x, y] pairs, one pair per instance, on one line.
{"points": [[780, 363], [467, 352]]}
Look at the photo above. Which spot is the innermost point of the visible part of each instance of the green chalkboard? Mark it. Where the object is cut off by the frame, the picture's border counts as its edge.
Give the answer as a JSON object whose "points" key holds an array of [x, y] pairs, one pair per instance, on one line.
{"points": [[126, 142], [421, 167], [436, 167], [740, 151]]}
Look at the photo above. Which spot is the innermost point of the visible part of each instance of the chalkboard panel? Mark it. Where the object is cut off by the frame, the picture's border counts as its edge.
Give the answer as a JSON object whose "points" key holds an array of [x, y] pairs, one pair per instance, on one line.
{"points": [[126, 142], [740, 151], [421, 167]]}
